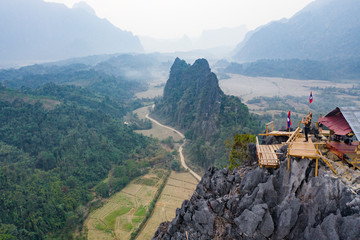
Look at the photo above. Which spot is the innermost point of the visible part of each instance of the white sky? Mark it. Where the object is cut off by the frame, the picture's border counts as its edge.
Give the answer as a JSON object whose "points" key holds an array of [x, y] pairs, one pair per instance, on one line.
{"points": [[175, 18]]}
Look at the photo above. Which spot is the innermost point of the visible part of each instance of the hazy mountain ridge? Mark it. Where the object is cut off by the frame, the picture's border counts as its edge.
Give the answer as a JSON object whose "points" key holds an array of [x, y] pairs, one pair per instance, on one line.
{"points": [[323, 30], [334, 69], [216, 42], [42, 31], [136, 70]]}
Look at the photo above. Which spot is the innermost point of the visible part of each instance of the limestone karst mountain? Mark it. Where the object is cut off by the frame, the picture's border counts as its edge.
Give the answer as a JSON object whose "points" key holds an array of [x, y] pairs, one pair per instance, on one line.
{"points": [[194, 103]]}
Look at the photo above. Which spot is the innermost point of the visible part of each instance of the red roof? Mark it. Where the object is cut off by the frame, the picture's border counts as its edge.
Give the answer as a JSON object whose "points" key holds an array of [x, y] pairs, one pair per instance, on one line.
{"points": [[335, 121]]}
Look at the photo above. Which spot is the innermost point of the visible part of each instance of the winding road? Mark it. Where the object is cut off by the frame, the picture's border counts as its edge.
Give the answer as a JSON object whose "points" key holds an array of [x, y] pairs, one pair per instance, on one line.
{"points": [[182, 159]]}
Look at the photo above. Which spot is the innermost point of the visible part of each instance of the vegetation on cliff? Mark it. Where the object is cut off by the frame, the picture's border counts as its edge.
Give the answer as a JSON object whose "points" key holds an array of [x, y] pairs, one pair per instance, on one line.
{"points": [[194, 102]]}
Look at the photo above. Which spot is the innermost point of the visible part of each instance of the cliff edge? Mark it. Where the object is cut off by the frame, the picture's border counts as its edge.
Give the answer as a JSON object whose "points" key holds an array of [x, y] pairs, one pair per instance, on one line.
{"points": [[254, 203]]}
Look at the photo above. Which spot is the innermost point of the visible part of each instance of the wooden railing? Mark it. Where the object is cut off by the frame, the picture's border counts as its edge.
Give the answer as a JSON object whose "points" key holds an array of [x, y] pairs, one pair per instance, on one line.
{"points": [[267, 127], [293, 136], [258, 149]]}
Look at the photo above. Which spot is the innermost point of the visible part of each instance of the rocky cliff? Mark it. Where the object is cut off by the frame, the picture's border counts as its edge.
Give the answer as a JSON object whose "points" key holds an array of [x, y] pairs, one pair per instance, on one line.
{"points": [[254, 203], [194, 103], [192, 98]]}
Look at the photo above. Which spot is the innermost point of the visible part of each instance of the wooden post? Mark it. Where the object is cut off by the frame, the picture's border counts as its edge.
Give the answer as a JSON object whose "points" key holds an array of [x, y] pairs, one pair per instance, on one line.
{"points": [[272, 126], [330, 134], [357, 159], [316, 167], [288, 163], [300, 124]]}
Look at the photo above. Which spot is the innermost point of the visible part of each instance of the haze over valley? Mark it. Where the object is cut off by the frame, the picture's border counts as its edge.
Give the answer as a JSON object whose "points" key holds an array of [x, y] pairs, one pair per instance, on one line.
{"points": [[158, 119]]}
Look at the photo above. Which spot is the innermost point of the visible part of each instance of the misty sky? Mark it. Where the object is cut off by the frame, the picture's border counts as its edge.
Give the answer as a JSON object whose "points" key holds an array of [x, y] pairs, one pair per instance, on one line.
{"points": [[175, 18]]}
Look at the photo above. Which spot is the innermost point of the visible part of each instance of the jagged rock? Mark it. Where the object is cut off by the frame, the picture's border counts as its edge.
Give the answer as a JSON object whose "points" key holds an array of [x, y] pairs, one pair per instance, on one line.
{"points": [[350, 227], [330, 226], [267, 225], [247, 222], [254, 203], [252, 151]]}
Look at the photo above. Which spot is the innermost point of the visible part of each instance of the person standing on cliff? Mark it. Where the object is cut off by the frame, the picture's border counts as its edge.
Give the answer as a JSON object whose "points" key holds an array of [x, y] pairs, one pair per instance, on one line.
{"points": [[320, 125], [307, 122]]}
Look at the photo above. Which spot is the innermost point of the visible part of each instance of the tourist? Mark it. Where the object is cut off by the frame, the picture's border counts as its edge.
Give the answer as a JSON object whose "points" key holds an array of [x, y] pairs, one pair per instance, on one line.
{"points": [[320, 125], [307, 122]]}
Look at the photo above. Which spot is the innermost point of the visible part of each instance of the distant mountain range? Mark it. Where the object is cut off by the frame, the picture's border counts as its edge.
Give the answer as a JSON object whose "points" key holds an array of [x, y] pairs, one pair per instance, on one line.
{"points": [[34, 31], [323, 30], [215, 40]]}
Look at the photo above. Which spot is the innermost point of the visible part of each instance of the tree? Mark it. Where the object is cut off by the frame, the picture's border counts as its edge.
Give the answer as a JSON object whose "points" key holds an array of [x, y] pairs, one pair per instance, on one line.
{"points": [[175, 165], [102, 189], [239, 149]]}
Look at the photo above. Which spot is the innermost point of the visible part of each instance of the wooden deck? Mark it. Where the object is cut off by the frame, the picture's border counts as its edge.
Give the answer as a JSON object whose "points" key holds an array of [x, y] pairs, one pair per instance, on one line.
{"points": [[277, 133], [267, 155], [297, 147], [326, 133], [351, 151], [302, 149]]}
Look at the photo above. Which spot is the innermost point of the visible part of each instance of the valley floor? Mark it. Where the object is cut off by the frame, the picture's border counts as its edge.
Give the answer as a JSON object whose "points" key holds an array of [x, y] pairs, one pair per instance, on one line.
{"points": [[123, 213], [250, 87]]}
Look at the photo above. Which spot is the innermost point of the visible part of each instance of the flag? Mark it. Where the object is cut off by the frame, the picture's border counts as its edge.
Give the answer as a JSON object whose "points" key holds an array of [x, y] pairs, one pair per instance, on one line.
{"points": [[288, 120], [310, 98]]}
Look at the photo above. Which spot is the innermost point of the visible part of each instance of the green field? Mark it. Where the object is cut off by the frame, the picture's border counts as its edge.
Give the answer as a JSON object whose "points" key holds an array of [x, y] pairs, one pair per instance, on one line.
{"points": [[123, 212], [180, 186], [156, 131]]}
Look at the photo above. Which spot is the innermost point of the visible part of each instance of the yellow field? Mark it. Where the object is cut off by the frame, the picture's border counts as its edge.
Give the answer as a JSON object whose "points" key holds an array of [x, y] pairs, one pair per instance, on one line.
{"points": [[154, 90], [180, 186], [124, 211], [156, 131], [238, 85]]}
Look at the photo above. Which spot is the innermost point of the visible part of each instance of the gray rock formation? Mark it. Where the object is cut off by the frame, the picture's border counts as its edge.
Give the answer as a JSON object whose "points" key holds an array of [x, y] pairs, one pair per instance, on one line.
{"points": [[254, 203]]}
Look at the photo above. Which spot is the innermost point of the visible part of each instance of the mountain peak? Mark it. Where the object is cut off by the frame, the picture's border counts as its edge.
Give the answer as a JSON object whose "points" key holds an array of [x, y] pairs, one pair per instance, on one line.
{"points": [[84, 7], [202, 64], [192, 97]]}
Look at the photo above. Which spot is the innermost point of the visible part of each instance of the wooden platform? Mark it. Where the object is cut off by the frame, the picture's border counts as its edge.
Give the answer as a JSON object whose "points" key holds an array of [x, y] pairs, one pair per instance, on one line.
{"points": [[351, 151], [297, 147], [326, 133], [267, 155], [277, 134], [302, 149]]}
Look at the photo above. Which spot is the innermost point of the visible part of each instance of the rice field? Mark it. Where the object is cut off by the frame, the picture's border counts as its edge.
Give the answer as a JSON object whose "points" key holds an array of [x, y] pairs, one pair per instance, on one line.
{"points": [[180, 186], [124, 211]]}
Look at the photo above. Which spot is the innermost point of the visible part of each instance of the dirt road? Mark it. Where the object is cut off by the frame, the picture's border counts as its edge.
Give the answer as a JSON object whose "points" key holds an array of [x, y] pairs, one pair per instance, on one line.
{"points": [[183, 163]]}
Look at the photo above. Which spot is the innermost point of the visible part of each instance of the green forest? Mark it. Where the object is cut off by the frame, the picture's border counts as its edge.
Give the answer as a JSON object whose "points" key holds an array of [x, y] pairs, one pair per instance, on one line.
{"points": [[57, 144], [333, 69]]}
